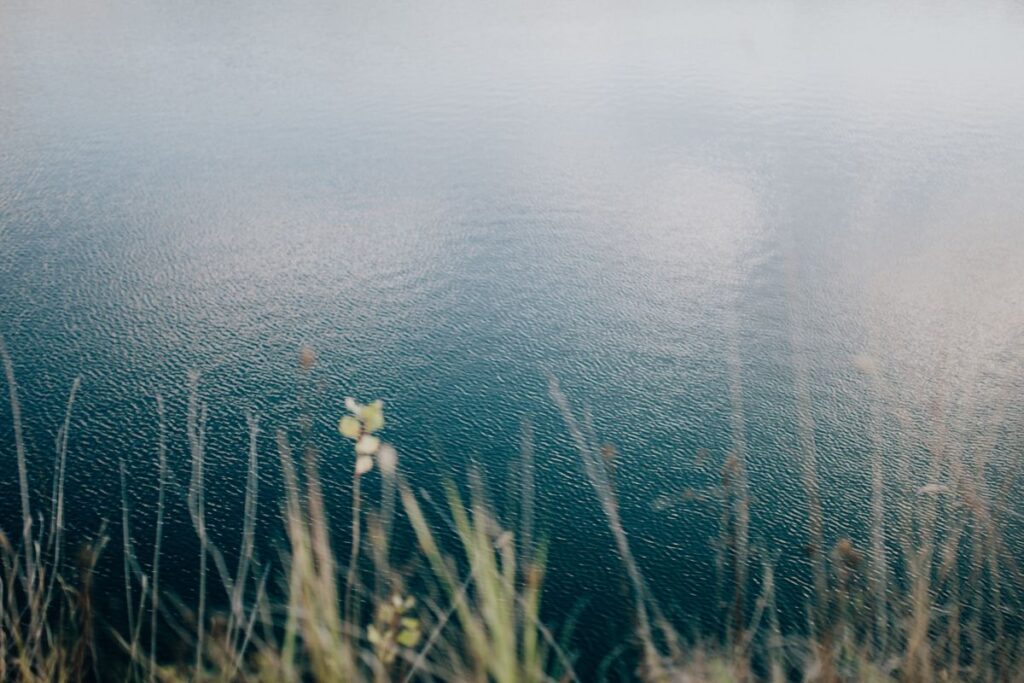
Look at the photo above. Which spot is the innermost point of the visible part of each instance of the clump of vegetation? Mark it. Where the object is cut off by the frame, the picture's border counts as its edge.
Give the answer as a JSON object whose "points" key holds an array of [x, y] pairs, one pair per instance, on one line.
{"points": [[468, 608], [478, 619]]}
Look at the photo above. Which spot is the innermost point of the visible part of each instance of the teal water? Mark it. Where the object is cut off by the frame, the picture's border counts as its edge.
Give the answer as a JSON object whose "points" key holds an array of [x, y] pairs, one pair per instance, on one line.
{"points": [[657, 204]]}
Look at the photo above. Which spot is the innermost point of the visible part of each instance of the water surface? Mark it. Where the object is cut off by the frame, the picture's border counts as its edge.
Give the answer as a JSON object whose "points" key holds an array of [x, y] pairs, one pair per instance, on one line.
{"points": [[683, 211]]}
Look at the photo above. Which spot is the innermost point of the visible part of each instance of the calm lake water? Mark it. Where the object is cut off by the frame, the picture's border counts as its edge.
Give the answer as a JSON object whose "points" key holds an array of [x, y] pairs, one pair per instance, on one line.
{"points": [[683, 211]]}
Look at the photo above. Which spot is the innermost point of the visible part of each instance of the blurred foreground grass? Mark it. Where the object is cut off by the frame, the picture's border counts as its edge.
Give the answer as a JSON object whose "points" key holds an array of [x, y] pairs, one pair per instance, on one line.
{"points": [[469, 610]]}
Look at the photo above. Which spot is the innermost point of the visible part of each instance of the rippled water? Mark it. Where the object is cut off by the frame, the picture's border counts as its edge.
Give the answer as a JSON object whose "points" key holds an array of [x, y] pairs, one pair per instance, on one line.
{"points": [[450, 202]]}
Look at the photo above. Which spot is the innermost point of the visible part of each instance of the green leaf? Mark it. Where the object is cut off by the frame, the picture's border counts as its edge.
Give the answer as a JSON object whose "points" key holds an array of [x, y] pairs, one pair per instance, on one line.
{"points": [[408, 637], [373, 416], [350, 427], [385, 612]]}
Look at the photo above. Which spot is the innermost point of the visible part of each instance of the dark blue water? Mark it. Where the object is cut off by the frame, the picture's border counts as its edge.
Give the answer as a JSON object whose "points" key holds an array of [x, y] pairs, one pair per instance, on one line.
{"points": [[450, 202]]}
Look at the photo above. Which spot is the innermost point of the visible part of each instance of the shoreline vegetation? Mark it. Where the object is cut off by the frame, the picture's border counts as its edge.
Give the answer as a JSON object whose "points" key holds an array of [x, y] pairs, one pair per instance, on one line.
{"points": [[931, 593]]}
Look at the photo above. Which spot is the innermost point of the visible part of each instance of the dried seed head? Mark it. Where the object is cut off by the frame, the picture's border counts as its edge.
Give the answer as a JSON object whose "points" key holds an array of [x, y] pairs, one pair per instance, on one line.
{"points": [[849, 555], [307, 358]]}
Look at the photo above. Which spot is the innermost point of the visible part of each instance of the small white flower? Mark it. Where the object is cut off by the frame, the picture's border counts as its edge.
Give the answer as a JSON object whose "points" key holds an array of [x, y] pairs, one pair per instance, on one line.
{"points": [[387, 456], [367, 444], [364, 463]]}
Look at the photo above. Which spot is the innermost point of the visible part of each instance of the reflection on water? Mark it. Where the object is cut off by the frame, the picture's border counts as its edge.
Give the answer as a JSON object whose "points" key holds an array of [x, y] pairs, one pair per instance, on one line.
{"points": [[449, 202]]}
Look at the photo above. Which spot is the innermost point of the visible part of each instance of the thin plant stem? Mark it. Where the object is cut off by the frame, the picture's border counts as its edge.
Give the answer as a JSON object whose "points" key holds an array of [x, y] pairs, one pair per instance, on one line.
{"points": [[19, 447], [197, 506], [351, 599], [126, 555], [161, 486]]}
